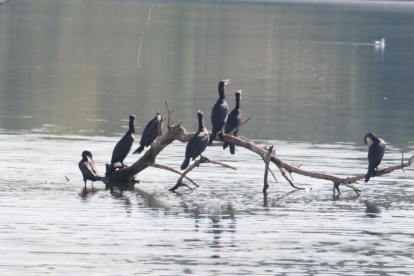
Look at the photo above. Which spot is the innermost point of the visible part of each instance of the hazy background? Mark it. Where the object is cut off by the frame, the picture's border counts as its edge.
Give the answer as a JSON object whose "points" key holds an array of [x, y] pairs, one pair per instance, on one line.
{"points": [[309, 72]]}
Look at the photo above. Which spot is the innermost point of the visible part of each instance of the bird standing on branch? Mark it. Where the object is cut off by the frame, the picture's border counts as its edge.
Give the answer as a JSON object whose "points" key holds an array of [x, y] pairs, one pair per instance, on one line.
{"points": [[219, 112], [198, 142], [233, 121], [375, 153], [150, 134], [123, 147]]}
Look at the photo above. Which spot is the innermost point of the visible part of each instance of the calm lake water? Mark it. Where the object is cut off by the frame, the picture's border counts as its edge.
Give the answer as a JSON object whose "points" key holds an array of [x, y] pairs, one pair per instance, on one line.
{"points": [[71, 72]]}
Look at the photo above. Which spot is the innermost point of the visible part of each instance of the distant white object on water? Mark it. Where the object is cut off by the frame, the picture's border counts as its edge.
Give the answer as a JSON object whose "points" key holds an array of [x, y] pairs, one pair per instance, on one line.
{"points": [[380, 43]]}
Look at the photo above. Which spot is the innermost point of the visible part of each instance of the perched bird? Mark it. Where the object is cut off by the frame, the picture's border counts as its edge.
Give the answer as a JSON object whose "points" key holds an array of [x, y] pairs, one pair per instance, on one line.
{"points": [[197, 144], [88, 169], [123, 147], [219, 112], [233, 121], [375, 153], [150, 134]]}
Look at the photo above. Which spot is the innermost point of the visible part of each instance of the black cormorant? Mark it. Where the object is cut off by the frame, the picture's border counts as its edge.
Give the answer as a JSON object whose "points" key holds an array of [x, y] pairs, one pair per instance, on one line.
{"points": [[219, 112], [197, 144], [88, 169], [124, 145], [375, 153], [150, 133], [233, 121]]}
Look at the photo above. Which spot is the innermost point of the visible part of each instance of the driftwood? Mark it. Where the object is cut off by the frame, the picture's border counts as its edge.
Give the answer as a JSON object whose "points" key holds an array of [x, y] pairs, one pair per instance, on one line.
{"points": [[178, 132], [266, 159], [202, 160], [174, 171]]}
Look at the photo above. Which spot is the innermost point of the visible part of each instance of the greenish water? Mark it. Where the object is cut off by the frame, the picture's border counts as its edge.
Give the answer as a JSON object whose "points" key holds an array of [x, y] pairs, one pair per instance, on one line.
{"points": [[65, 64], [71, 72]]}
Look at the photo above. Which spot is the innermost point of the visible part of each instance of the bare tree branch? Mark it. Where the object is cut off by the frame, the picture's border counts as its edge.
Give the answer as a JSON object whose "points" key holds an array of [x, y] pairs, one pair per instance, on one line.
{"points": [[169, 115], [266, 159], [159, 166], [197, 163]]}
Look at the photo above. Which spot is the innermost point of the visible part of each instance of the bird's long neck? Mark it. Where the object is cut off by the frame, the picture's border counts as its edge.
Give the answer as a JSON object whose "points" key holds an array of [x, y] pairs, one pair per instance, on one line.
{"points": [[237, 103], [132, 126], [221, 91], [200, 122]]}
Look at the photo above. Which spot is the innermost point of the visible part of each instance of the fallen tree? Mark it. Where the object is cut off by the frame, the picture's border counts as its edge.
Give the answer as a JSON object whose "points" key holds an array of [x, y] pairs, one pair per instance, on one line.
{"points": [[178, 133]]}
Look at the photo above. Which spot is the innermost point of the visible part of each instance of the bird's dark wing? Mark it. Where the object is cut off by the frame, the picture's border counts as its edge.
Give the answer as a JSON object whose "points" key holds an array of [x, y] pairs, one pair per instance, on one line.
{"points": [[122, 148], [219, 115], [144, 135], [375, 153], [233, 121], [152, 132], [199, 144], [87, 170], [189, 147]]}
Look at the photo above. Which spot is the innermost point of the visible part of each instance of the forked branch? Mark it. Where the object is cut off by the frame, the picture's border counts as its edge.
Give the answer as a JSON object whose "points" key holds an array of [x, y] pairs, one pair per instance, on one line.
{"points": [[202, 160], [159, 166]]}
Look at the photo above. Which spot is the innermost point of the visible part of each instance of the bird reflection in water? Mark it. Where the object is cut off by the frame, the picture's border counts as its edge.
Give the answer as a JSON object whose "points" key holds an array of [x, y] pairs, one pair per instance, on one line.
{"points": [[86, 193], [221, 223], [371, 210], [117, 189]]}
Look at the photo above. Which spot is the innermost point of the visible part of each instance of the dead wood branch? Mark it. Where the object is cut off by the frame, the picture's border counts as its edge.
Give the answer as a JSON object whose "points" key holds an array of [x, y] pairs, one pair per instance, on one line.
{"points": [[169, 115], [266, 159], [159, 166], [261, 151], [282, 171], [222, 164], [272, 173], [202, 160]]}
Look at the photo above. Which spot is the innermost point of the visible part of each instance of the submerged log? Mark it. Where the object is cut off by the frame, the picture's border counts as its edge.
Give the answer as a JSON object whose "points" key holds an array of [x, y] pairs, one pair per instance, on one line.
{"points": [[178, 132]]}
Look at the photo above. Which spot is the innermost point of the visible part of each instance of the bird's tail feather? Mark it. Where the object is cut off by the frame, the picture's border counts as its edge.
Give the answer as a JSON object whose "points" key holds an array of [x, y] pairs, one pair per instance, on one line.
{"points": [[225, 145], [232, 148], [109, 169], [368, 175], [212, 137], [140, 149], [185, 163], [103, 178]]}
